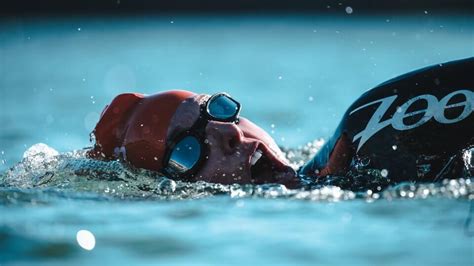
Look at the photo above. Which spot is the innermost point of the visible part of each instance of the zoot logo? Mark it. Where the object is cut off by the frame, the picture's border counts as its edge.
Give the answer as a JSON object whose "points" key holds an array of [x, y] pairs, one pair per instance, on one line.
{"points": [[435, 109]]}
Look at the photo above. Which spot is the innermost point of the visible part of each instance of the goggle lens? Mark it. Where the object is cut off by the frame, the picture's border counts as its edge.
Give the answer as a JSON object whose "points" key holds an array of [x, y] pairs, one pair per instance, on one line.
{"points": [[185, 154], [222, 107]]}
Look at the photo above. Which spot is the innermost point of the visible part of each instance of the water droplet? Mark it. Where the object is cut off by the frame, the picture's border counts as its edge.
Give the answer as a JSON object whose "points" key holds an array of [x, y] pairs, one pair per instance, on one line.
{"points": [[272, 125], [85, 239], [280, 77], [394, 147], [78, 29], [349, 10], [384, 173]]}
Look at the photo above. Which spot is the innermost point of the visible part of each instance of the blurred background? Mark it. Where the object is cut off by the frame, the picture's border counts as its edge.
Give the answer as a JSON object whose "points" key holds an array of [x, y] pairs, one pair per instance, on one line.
{"points": [[295, 66]]}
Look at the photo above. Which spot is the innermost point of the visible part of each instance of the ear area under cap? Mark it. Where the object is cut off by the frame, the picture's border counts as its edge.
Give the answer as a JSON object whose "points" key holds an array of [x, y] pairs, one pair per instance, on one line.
{"points": [[109, 130]]}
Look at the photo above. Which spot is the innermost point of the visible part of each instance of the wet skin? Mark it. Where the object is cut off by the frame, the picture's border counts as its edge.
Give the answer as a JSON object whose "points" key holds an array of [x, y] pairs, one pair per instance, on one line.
{"points": [[231, 147]]}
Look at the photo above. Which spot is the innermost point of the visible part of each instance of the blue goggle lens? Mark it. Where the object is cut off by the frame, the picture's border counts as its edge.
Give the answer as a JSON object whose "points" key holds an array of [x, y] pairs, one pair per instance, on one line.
{"points": [[222, 107], [185, 154]]}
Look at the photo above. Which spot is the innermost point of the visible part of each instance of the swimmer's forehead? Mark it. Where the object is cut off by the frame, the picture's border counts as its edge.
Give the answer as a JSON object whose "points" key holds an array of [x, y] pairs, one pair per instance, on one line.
{"points": [[186, 114]]}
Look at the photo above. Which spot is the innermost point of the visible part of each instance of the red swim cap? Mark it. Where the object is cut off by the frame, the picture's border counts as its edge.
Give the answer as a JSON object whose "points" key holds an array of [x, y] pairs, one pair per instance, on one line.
{"points": [[134, 127]]}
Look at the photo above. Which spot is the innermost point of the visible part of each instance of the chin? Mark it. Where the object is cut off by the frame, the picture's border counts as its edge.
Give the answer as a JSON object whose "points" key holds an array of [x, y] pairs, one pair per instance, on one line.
{"points": [[266, 166]]}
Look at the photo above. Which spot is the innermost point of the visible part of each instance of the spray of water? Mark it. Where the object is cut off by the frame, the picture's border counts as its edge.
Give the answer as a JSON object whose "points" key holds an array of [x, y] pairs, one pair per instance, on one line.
{"points": [[43, 168]]}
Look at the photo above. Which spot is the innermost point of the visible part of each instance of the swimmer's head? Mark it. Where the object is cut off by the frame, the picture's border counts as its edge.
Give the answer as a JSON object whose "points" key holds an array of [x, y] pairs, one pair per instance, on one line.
{"points": [[187, 136], [134, 127]]}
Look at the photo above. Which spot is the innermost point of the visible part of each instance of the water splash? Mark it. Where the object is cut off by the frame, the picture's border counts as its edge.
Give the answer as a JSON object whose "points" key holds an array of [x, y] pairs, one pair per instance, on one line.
{"points": [[44, 169]]}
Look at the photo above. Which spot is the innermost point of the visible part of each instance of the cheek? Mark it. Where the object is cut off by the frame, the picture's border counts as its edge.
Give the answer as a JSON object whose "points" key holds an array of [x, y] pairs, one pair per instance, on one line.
{"points": [[251, 130], [221, 168], [223, 173]]}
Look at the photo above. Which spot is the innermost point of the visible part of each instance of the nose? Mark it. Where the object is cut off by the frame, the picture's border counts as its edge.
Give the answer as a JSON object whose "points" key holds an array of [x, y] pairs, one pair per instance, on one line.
{"points": [[227, 135]]}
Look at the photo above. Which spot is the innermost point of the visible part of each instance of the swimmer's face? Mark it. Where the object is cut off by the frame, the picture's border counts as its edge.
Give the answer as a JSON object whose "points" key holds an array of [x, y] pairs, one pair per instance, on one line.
{"points": [[233, 149]]}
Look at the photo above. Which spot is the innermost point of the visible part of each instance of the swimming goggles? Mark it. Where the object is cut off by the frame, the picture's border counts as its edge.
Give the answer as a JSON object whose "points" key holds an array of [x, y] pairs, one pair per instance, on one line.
{"points": [[188, 150]]}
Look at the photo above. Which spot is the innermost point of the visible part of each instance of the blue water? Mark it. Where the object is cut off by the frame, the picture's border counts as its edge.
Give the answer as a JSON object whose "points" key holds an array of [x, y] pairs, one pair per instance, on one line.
{"points": [[221, 230], [294, 75]]}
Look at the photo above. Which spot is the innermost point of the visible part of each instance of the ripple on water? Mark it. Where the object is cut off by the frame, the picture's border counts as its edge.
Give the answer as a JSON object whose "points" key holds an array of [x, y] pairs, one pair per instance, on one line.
{"points": [[157, 246], [13, 242]]}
